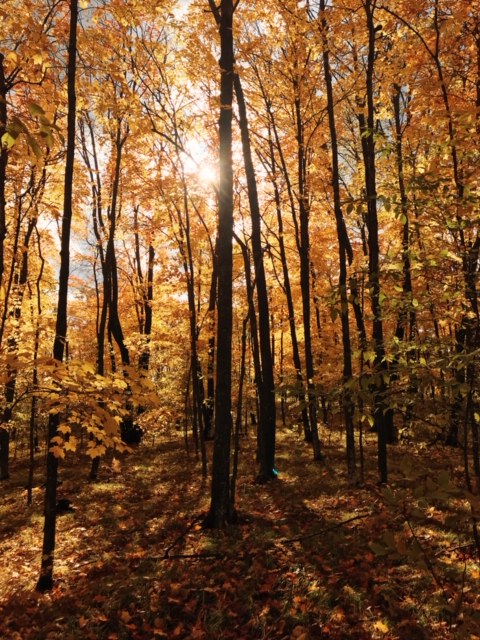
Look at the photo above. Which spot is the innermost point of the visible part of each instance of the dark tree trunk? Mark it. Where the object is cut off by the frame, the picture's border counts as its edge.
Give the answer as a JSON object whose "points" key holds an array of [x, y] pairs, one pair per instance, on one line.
{"points": [[266, 384], [212, 299], [368, 152], [45, 581], [221, 506], [114, 324], [19, 277], [344, 250], [185, 248], [238, 418], [304, 249], [271, 166], [3, 163], [406, 322], [407, 318], [33, 407], [143, 294]]}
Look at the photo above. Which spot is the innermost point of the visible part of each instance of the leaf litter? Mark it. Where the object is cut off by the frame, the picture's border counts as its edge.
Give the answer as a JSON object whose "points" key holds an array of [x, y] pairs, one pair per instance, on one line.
{"points": [[310, 558]]}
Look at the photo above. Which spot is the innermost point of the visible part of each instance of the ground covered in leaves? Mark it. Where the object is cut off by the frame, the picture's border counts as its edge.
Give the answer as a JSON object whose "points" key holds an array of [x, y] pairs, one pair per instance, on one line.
{"points": [[311, 556]]}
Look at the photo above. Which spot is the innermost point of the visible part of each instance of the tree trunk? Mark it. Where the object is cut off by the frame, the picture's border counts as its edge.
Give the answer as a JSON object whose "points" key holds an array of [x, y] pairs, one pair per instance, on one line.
{"points": [[368, 152], [271, 166], [266, 385], [19, 277], [3, 163], [289, 297], [212, 298], [344, 250], [304, 248], [45, 581], [221, 509]]}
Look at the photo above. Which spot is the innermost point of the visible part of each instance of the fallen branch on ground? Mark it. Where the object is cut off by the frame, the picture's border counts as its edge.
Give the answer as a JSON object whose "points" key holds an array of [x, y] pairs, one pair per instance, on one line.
{"points": [[327, 529]]}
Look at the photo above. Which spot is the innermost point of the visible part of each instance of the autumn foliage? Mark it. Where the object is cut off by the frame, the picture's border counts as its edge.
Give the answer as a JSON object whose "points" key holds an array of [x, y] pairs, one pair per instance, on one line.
{"points": [[253, 223]]}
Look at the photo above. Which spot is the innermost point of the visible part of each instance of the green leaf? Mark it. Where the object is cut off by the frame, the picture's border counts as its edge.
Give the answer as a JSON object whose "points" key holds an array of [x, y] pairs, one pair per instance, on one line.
{"points": [[36, 109], [378, 549], [17, 126], [34, 146], [8, 140]]}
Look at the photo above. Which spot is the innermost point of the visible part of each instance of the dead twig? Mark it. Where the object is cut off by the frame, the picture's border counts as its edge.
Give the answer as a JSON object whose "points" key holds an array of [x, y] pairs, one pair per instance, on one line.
{"points": [[327, 529], [180, 537], [192, 556]]}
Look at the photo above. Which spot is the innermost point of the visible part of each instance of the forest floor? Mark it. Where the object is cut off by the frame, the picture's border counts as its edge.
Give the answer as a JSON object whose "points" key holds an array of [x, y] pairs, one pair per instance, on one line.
{"points": [[311, 557]]}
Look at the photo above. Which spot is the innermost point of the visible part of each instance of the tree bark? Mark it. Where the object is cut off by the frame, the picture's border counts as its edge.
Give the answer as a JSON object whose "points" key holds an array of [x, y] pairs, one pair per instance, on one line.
{"points": [[3, 163], [304, 249], [266, 384], [344, 250], [368, 152], [221, 506], [45, 581]]}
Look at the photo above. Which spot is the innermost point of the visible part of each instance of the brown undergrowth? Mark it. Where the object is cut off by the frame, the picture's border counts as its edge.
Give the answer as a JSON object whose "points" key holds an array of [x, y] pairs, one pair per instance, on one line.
{"points": [[311, 556]]}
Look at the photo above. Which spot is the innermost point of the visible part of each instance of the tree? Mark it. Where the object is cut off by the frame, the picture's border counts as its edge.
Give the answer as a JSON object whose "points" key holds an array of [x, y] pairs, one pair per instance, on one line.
{"points": [[221, 509], [265, 383], [45, 581], [344, 252]]}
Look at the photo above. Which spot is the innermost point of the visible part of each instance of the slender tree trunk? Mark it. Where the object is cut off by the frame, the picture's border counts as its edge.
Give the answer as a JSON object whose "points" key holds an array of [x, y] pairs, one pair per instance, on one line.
{"points": [[344, 250], [114, 324], [266, 384], [198, 392], [238, 418], [19, 278], [276, 144], [221, 509], [33, 407], [406, 322], [368, 151], [289, 298], [45, 581], [304, 248], [3, 164], [212, 298], [255, 345], [146, 295]]}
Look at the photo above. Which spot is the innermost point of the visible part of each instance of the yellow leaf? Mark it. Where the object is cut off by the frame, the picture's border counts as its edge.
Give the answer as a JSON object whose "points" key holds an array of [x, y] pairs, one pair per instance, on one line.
{"points": [[125, 616], [64, 428], [57, 451], [380, 626], [71, 444], [95, 451]]}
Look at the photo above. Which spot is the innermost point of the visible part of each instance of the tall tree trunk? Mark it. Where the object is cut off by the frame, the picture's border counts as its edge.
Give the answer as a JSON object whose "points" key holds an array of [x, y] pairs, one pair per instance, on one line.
{"points": [[33, 407], [19, 278], [289, 297], [146, 293], [212, 300], [368, 152], [45, 581], [114, 324], [3, 163], [275, 143], [344, 250], [304, 248], [406, 321], [266, 385], [221, 508], [185, 248]]}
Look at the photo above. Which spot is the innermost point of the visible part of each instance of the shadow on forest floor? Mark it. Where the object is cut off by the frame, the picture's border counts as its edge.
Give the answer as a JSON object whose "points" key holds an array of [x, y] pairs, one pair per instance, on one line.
{"points": [[311, 558]]}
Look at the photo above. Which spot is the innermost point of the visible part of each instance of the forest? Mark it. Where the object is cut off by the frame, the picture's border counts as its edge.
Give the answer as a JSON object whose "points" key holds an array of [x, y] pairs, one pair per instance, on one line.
{"points": [[239, 319]]}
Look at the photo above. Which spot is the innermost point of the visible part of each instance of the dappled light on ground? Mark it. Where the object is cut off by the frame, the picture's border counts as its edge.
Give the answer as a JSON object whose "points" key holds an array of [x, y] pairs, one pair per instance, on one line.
{"points": [[310, 557]]}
